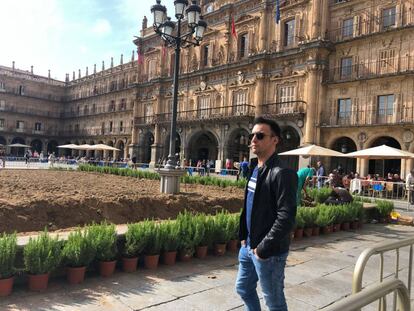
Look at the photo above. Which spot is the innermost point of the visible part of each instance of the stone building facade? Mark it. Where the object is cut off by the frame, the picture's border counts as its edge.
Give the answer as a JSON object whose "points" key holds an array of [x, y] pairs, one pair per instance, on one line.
{"points": [[332, 72]]}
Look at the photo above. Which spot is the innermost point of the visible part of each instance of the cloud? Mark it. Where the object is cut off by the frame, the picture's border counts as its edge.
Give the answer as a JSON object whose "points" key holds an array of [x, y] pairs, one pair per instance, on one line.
{"points": [[102, 27]]}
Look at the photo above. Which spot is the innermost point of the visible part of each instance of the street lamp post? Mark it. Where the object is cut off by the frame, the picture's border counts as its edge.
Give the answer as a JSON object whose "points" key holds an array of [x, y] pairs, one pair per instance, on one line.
{"points": [[164, 27]]}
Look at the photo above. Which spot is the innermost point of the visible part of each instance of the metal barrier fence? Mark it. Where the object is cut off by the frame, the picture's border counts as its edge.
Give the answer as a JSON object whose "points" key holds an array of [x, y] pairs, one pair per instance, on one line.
{"points": [[371, 294], [380, 249]]}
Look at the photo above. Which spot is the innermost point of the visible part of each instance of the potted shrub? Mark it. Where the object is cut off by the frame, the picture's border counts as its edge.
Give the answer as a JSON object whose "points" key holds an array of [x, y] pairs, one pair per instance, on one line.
{"points": [[308, 214], [384, 209], [233, 221], [77, 253], [200, 230], [300, 223], [153, 243], [41, 256], [134, 245], [8, 248], [324, 219], [104, 240], [221, 235], [169, 237], [346, 217], [186, 232]]}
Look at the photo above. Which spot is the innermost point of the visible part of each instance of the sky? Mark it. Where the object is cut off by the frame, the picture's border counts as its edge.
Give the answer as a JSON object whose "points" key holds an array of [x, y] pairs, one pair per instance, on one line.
{"points": [[67, 35]]}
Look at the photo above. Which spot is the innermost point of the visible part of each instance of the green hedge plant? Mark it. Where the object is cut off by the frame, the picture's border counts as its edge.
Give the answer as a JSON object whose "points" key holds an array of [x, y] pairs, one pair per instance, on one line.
{"points": [[384, 208], [169, 231], [152, 238], [79, 249], [42, 254], [134, 240], [8, 249], [186, 232], [104, 240], [221, 233]]}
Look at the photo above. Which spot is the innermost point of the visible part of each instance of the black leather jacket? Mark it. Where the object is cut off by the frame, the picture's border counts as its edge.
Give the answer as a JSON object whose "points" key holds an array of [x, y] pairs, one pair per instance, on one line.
{"points": [[274, 209]]}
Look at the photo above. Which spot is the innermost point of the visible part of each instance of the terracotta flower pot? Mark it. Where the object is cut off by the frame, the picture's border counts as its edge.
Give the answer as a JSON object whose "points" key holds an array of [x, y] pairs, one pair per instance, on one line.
{"points": [[307, 232], [315, 231], [327, 229], [219, 249], [75, 275], [169, 258], [107, 268], [360, 224], [129, 264], [336, 227], [232, 246], [201, 252], [185, 255], [38, 282], [6, 286], [299, 233], [151, 261], [345, 226], [354, 225]]}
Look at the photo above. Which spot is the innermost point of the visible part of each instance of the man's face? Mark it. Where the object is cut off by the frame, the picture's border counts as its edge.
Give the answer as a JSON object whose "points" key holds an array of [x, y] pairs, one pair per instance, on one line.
{"points": [[267, 144], [319, 163]]}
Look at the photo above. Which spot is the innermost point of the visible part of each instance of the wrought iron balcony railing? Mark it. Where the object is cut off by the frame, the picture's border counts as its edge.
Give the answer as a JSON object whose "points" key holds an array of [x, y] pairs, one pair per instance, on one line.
{"points": [[97, 131], [285, 108], [30, 111], [366, 69], [370, 117]]}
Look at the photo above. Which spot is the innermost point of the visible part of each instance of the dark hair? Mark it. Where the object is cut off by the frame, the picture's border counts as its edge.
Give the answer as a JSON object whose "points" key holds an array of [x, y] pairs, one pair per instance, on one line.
{"points": [[272, 123]]}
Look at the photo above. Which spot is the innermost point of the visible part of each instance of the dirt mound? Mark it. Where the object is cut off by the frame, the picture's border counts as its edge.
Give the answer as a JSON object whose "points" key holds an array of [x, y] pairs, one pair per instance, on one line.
{"points": [[33, 199]]}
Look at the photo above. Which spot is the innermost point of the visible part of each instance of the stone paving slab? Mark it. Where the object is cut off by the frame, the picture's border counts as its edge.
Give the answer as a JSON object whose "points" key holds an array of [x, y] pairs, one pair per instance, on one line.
{"points": [[319, 272]]}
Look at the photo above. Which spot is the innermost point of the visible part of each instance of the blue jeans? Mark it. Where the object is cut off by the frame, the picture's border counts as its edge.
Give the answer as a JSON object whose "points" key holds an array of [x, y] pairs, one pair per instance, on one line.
{"points": [[271, 274]]}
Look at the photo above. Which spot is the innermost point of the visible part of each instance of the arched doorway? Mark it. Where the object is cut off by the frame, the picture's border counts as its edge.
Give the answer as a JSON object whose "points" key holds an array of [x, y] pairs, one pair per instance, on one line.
{"points": [[344, 145], [3, 141], [121, 146], [52, 147], [91, 153], [111, 152], [290, 141], [238, 145], [148, 141], [36, 145], [167, 145], [383, 167], [202, 146], [99, 154], [17, 151]]}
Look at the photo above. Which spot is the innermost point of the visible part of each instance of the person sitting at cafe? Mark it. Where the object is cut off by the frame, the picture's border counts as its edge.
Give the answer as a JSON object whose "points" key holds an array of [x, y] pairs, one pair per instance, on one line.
{"points": [[339, 196], [390, 177]]}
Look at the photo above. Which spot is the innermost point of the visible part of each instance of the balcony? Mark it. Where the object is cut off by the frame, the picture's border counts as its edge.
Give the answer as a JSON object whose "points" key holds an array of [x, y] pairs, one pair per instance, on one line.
{"points": [[371, 24], [284, 109], [209, 114], [30, 111], [97, 131], [371, 69], [370, 117]]}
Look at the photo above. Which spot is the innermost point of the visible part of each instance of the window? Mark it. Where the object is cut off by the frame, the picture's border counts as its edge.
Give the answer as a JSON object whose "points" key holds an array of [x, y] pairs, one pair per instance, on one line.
{"points": [[203, 109], [2, 86], [386, 60], [20, 125], [205, 55], [111, 107], [2, 104], [93, 108], [2, 123], [385, 105], [122, 105], [85, 110], [110, 126], [76, 128], [38, 126], [286, 93], [103, 128], [149, 113], [112, 86], [243, 46], [121, 126], [346, 67], [289, 35], [348, 28], [78, 110], [240, 102], [152, 69], [344, 110], [388, 18]]}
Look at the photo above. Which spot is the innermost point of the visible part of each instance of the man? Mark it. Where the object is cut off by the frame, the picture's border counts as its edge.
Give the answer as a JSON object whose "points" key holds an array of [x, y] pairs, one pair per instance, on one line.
{"points": [[266, 221], [409, 185], [339, 196], [320, 173], [244, 167], [304, 175]]}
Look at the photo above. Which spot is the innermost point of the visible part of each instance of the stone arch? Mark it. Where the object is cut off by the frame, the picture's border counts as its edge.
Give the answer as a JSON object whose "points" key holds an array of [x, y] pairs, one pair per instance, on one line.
{"points": [[383, 167], [344, 144], [52, 147], [110, 153], [121, 146], [290, 140], [147, 142], [3, 141], [17, 151], [203, 145], [36, 145], [237, 145]]}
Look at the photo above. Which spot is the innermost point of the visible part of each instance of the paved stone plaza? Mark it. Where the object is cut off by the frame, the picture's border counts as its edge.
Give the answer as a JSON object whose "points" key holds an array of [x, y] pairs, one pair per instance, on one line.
{"points": [[319, 272]]}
